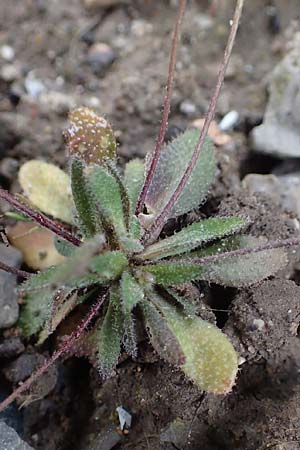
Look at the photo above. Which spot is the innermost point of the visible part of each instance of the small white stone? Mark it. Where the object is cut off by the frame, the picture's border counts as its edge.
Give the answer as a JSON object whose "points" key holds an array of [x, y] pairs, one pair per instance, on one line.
{"points": [[7, 52], [229, 120]]}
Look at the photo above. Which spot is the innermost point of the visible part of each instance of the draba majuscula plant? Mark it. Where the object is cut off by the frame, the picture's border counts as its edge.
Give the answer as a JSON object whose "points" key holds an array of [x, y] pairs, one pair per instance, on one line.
{"points": [[107, 225], [117, 255]]}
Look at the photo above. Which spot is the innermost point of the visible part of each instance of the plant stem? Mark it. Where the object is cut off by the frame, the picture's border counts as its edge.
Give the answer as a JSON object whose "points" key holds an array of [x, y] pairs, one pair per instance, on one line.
{"points": [[14, 271], [40, 218], [271, 245], [166, 108], [158, 224], [66, 345]]}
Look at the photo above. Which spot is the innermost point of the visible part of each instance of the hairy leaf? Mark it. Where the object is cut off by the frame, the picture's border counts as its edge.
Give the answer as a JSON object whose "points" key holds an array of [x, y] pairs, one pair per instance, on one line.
{"points": [[110, 334], [108, 265], [64, 247], [48, 188], [161, 336], [174, 272], [84, 201], [133, 179], [171, 166], [192, 236], [90, 137], [242, 270], [209, 358], [131, 294], [35, 311], [106, 192], [188, 307]]}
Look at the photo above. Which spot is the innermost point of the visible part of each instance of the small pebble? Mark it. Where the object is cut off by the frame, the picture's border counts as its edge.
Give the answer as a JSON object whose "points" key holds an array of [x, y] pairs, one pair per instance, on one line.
{"points": [[7, 52], [188, 108], [100, 57], [229, 121], [34, 86]]}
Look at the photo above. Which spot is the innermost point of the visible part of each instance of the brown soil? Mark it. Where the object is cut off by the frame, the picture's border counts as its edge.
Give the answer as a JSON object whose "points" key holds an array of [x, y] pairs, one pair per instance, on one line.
{"points": [[52, 38]]}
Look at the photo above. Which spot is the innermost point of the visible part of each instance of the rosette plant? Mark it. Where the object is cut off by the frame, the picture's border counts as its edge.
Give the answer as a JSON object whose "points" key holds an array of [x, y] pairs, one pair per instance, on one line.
{"points": [[109, 227]]}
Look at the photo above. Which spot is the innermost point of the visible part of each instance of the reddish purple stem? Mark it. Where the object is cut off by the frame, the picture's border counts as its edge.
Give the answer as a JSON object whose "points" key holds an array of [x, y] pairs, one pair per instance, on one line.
{"points": [[158, 224], [14, 271], [66, 345], [40, 218], [167, 106]]}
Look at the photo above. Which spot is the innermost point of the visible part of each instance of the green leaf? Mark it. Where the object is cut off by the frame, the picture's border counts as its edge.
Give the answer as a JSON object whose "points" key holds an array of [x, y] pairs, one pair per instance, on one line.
{"points": [[108, 266], [242, 270], [39, 280], [188, 307], [110, 334], [106, 192], [133, 179], [64, 247], [173, 162], [35, 312], [174, 272], [209, 358], [48, 188], [58, 314], [90, 137], [131, 294], [84, 201], [161, 336], [192, 236]]}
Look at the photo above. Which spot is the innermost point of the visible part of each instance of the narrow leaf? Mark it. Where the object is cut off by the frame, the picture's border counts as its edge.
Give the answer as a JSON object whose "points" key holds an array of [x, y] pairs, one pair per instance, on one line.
{"points": [[133, 179], [174, 272], [110, 334], [48, 188], [131, 294], [90, 137], [84, 201], [106, 192], [192, 236], [172, 163]]}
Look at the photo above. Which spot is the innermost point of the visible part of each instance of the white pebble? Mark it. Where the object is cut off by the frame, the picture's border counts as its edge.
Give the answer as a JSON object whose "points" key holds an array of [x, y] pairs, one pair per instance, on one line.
{"points": [[229, 120]]}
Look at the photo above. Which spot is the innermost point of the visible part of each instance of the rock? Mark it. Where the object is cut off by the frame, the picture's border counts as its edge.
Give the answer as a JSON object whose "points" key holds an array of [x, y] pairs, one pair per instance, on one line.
{"points": [[9, 168], [100, 57], [9, 73], [107, 440], [175, 433], [11, 347], [57, 102], [9, 308], [279, 134], [7, 52], [34, 86], [284, 190], [10, 440], [188, 108], [9, 134]]}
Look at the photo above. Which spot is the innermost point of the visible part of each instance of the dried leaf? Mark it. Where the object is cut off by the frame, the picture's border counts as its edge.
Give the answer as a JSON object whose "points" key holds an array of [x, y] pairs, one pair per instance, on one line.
{"points": [[36, 245], [48, 188]]}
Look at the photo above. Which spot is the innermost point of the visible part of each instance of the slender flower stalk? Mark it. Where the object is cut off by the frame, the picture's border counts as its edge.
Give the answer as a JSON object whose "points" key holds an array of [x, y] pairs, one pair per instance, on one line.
{"points": [[65, 346], [40, 218], [14, 271], [166, 108], [158, 224]]}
